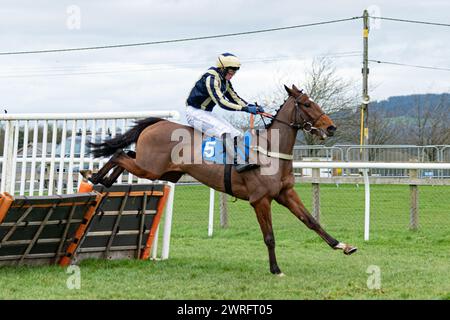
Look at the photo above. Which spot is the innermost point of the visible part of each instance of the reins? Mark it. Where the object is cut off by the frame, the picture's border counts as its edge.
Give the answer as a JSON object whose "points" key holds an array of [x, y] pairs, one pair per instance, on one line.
{"points": [[307, 126]]}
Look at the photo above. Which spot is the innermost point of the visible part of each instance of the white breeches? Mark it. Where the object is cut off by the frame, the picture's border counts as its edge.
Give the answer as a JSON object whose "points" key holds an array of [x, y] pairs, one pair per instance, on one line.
{"points": [[209, 123]]}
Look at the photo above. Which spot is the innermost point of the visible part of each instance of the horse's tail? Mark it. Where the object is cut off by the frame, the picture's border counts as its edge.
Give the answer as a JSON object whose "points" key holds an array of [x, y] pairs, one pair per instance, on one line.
{"points": [[110, 146]]}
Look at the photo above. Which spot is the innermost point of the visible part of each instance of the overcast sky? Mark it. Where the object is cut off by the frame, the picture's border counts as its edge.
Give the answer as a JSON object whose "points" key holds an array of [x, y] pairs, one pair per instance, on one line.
{"points": [[159, 77]]}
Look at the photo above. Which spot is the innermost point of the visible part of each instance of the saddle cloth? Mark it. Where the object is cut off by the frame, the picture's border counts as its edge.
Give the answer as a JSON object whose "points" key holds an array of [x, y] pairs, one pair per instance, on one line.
{"points": [[213, 150]]}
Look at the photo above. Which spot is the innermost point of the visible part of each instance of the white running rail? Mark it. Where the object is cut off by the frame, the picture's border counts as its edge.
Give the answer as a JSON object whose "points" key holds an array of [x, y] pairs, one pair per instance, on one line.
{"points": [[365, 166], [348, 165], [42, 153]]}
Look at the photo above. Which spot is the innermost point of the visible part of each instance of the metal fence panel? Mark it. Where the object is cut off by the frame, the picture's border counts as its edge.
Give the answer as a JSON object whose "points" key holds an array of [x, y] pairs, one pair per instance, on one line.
{"points": [[43, 153]]}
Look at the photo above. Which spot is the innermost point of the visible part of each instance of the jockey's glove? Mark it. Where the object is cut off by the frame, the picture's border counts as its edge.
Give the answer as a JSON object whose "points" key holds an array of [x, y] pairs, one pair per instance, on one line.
{"points": [[251, 108]]}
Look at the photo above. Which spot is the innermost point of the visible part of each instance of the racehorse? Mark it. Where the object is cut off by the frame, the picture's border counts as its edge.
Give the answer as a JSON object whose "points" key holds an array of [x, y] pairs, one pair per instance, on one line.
{"points": [[152, 160]]}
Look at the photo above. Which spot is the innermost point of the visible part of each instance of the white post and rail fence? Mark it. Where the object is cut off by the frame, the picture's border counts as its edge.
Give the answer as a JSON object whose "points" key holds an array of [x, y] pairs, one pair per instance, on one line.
{"points": [[315, 179], [49, 161]]}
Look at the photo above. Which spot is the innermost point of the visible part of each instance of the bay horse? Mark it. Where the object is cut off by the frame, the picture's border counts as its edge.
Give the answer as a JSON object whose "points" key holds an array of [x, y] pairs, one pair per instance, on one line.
{"points": [[152, 160]]}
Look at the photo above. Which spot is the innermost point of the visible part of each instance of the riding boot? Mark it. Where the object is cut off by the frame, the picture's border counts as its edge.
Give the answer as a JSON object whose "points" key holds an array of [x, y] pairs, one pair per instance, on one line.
{"points": [[231, 148], [246, 166]]}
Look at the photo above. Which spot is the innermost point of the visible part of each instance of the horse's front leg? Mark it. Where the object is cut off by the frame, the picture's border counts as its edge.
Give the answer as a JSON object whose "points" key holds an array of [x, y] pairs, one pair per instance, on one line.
{"points": [[264, 216], [290, 199]]}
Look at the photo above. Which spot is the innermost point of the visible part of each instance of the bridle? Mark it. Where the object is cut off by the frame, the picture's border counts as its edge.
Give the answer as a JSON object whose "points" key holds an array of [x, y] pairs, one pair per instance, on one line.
{"points": [[308, 123]]}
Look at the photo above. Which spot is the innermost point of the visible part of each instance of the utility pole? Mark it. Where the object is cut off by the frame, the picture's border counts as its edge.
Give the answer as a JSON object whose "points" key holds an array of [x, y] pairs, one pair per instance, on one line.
{"points": [[364, 133], [365, 123]]}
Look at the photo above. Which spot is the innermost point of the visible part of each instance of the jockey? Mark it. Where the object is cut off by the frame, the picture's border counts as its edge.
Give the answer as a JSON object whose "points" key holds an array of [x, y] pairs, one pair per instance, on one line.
{"points": [[214, 87]]}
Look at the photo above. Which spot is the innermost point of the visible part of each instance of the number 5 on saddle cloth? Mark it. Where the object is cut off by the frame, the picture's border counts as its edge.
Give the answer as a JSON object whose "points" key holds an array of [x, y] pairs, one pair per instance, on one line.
{"points": [[227, 151]]}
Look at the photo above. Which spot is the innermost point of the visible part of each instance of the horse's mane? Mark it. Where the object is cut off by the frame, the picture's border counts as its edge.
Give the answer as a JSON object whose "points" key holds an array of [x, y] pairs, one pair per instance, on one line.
{"points": [[268, 125]]}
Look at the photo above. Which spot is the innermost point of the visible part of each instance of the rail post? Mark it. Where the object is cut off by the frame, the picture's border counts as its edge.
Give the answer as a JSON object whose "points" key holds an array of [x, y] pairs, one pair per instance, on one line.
{"points": [[414, 207], [316, 193], [223, 210]]}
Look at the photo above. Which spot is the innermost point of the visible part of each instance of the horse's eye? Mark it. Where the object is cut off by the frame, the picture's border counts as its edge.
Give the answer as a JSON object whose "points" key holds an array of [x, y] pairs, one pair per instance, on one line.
{"points": [[308, 104]]}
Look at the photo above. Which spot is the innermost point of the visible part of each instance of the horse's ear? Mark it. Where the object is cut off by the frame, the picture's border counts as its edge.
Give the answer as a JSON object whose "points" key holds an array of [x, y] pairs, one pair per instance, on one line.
{"points": [[288, 90], [296, 89]]}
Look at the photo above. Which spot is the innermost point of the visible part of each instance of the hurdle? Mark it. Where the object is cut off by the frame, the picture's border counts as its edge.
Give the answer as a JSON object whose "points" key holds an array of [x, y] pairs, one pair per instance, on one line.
{"points": [[38, 229], [120, 222]]}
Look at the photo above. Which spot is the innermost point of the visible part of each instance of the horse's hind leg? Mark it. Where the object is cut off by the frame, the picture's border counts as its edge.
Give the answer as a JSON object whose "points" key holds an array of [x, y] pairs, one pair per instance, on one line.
{"points": [[100, 174], [128, 163], [108, 181], [291, 200]]}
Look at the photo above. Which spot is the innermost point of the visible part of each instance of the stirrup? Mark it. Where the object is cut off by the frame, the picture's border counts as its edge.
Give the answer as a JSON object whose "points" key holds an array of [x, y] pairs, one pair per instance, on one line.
{"points": [[245, 167]]}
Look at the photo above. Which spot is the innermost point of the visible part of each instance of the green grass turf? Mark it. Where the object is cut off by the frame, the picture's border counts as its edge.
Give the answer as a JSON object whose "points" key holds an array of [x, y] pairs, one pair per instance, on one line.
{"points": [[233, 264]]}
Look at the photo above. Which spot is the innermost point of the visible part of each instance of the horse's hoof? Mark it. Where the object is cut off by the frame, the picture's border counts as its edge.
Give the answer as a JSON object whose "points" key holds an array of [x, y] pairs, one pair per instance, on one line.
{"points": [[87, 174], [281, 274], [349, 250]]}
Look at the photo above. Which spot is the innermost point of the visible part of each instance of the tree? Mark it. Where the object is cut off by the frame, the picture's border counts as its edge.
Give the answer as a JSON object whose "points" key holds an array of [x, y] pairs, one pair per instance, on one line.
{"points": [[431, 121], [337, 97]]}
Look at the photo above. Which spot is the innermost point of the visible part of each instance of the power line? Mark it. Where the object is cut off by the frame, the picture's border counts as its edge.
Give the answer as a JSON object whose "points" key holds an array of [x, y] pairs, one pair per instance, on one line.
{"points": [[412, 21], [217, 36], [155, 66], [410, 65], [180, 40], [108, 66]]}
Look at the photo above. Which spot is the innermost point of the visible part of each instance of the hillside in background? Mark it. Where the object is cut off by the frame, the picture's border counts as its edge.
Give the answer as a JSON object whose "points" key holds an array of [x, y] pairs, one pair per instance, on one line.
{"points": [[418, 119], [401, 106]]}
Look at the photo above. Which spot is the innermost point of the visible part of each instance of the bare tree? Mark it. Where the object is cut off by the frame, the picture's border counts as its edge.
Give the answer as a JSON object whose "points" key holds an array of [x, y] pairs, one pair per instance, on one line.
{"points": [[381, 128], [331, 91], [339, 97], [336, 95], [431, 121], [324, 85]]}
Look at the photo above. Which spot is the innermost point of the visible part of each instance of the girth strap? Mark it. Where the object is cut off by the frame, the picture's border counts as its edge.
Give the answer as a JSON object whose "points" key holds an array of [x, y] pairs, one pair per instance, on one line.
{"points": [[227, 179]]}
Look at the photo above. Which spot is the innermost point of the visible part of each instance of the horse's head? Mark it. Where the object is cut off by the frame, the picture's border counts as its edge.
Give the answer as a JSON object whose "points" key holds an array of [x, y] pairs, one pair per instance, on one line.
{"points": [[308, 115]]}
